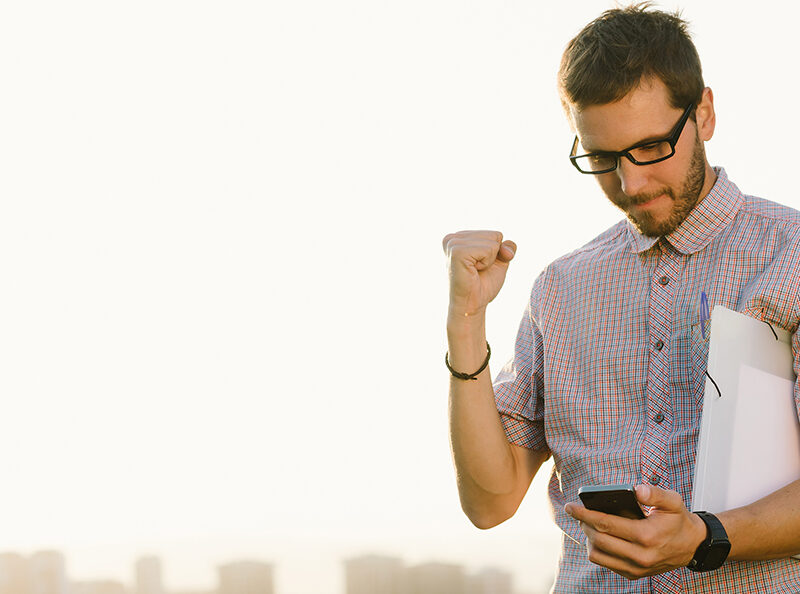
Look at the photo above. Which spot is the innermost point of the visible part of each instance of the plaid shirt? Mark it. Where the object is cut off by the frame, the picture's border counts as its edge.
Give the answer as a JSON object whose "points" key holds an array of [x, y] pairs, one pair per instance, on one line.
{"points": [[609, 364]]}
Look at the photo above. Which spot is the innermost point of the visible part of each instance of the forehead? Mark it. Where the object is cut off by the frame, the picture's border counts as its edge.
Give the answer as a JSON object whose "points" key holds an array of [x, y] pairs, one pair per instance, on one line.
{"points": [[643, 114]]}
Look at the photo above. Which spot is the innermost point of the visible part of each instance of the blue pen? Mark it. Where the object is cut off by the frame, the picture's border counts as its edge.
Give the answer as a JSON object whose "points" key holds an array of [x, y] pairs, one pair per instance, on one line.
{"points": [[704, 315]]}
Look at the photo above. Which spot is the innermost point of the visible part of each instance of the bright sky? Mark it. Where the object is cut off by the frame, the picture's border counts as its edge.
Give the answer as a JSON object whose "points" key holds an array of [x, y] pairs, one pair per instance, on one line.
{"points": [[222, 286]]}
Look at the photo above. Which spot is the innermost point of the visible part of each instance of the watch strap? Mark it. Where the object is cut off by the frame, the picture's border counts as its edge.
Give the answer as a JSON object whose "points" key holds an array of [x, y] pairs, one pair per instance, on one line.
{"points": [[714, 549]]}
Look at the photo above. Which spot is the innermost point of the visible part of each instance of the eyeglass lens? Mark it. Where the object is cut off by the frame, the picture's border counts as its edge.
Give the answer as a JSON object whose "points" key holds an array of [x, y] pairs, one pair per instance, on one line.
{"points": [[641, 156]]}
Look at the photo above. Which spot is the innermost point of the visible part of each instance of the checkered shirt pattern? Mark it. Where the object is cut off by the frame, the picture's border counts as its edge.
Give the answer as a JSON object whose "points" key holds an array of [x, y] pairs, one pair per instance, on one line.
{"points": [[609, 364]]}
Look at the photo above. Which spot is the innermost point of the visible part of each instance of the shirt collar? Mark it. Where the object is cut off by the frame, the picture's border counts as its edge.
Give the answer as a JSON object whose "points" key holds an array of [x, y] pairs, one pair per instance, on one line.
{"points": [[706, 220]]}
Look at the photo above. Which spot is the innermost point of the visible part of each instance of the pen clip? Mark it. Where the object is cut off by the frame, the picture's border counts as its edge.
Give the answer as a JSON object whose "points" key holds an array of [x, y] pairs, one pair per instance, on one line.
{"points": [[704, 314]]}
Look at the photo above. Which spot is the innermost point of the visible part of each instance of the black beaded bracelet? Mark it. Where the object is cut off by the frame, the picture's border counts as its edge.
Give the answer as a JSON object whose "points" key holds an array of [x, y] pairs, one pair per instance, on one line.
{"points": [[469, 376]]}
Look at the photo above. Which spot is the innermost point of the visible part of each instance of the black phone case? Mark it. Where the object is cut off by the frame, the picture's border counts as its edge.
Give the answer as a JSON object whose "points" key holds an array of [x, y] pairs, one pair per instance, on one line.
{"points": [[618, 502]]}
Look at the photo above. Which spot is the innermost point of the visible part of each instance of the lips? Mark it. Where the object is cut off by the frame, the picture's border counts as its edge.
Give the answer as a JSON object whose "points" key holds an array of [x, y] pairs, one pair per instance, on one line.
{"points": [[646, 201], [650, 201]]}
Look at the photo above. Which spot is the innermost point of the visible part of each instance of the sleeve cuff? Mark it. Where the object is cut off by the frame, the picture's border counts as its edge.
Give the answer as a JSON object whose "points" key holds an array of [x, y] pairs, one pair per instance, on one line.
{"points": [[522, 432]]}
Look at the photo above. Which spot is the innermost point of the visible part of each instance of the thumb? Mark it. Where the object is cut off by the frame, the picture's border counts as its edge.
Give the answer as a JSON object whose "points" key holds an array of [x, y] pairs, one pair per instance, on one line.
{"points": [[507, 250], [659, 498]]}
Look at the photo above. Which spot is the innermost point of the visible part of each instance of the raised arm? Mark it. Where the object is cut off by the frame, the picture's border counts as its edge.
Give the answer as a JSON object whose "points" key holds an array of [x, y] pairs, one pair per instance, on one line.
{"points": [[493, 475]]}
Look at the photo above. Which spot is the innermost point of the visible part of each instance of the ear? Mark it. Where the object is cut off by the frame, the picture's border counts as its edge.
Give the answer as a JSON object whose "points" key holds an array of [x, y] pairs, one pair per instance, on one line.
{"points": [[705, 116]]}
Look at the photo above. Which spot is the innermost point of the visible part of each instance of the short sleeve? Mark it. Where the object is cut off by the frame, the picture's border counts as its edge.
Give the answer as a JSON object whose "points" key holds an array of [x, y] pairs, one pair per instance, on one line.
{"points": [[519, 387]]}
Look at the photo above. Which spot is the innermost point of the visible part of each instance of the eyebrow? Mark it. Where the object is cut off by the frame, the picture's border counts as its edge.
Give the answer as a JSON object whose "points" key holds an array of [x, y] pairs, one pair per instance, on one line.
{"points": [[648, 140]]}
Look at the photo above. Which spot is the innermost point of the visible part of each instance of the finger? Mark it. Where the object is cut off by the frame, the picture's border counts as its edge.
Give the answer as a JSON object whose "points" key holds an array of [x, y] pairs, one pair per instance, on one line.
{"points": [[624, 528], [446, 240], [484, 235], [507, 250], [630, 552], [663, 499], [480, 254], [622, 566]]}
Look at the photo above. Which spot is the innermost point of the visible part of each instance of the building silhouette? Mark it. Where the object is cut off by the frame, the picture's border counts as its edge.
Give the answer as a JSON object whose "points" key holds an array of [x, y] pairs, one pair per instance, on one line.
{"points": [[490, 581], [375, 574], [97, 587], [246, 577], [48, 573], [15, 574], [148, 576], [441, 578]]}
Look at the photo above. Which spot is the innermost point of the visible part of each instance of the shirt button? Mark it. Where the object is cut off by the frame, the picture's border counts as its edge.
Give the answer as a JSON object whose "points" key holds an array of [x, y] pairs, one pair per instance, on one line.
{"points": [[659, 418], [655, 479], [659, 345], [664, 280]]}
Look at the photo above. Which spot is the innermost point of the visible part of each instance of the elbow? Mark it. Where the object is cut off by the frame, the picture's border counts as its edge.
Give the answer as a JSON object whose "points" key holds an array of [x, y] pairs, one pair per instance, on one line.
{"points": [[485, 517], [486, 523]]}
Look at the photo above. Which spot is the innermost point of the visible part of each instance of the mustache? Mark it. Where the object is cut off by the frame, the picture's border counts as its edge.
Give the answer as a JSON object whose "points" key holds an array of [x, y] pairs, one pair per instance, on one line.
{"points": [[637, 199]]}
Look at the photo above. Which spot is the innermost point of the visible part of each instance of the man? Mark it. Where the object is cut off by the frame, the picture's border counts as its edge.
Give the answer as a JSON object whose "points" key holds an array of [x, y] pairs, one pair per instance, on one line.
{"points": [[609, 364]]}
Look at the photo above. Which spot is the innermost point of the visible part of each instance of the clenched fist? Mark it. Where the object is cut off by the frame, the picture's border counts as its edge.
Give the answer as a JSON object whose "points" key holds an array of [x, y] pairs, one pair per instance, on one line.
{"points": [[477, 265]]}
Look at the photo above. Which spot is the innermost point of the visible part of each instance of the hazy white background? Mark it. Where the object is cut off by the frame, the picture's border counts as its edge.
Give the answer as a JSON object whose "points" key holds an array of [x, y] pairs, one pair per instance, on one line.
{"points": [[222, 292]]}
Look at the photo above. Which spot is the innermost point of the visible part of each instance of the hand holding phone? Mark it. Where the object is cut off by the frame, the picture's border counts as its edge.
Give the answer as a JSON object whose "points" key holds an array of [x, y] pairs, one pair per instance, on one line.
{"points": [[619, 500]]}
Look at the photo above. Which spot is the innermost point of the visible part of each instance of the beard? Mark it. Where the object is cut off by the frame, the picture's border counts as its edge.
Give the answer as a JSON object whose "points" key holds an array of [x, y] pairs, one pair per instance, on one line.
{"points": [[682, 202]]}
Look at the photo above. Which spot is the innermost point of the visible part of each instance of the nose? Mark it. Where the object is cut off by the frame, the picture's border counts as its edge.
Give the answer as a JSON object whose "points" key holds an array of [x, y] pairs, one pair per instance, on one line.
{"points": [[632, 178]]}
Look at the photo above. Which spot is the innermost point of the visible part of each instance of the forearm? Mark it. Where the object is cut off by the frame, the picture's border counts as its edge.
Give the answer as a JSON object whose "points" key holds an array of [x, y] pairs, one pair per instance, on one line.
{"points": [[488, 472], [481, 450], [766, 529]]}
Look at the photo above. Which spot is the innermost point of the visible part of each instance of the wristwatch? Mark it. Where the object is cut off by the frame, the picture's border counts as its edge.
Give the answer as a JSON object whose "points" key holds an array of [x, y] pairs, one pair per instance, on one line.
{"points": [[713, 551]]}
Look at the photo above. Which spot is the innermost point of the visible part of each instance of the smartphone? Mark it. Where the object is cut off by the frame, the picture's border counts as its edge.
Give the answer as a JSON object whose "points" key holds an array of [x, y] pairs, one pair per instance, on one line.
{"points": [[619, 500]]}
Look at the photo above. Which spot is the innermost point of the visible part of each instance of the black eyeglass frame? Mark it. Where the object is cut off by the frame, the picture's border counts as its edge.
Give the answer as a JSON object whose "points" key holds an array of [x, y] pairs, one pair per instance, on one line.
{"points": [[672, 140]]}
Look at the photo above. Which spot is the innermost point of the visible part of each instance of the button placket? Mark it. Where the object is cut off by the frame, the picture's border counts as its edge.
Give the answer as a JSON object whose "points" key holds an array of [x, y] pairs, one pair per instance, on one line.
{"points": [[654, 467]]}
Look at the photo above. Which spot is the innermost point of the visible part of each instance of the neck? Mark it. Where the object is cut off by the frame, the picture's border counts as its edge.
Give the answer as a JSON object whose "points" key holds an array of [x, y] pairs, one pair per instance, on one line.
{"points": [[710, 180]]}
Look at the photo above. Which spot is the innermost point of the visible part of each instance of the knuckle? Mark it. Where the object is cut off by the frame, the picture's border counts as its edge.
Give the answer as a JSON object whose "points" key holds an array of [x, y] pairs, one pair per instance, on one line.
{"points": [[646, 559], [602, 526], [446, 240], [629, 575], [646, 539]]}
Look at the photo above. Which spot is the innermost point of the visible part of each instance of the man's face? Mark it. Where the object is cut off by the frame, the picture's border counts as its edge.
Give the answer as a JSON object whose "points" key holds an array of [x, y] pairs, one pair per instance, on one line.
{"points": [[658, 197]]}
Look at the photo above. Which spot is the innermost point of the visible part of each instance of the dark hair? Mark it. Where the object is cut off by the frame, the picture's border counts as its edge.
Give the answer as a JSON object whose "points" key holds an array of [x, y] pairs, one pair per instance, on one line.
{"points": [[614, 53]]}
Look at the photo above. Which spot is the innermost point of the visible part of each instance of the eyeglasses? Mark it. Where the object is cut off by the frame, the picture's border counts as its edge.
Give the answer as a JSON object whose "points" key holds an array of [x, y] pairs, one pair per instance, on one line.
{"points": [[643, 153]]}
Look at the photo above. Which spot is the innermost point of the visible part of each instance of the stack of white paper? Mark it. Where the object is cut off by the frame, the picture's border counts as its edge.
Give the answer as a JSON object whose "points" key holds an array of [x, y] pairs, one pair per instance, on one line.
{"points": [[749, 442]]}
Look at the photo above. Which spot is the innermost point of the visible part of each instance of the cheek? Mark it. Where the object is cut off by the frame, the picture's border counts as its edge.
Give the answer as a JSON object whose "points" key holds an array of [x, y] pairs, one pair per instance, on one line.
{"points": [[610, 184], [673, 175]]}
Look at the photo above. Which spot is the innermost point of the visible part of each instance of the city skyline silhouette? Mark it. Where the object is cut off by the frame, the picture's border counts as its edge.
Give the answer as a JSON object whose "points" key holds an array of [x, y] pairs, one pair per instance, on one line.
{"points": [[47, 572]]}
